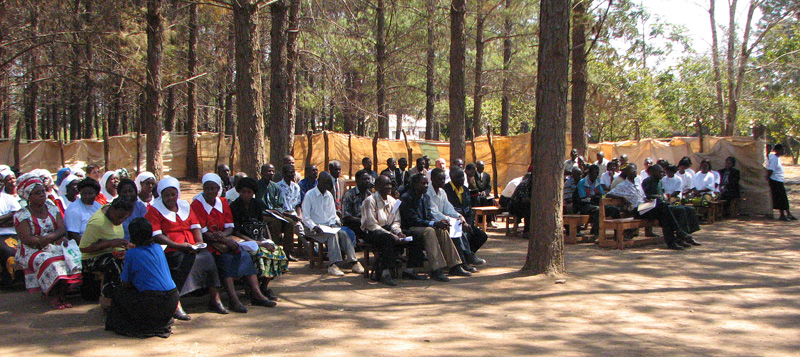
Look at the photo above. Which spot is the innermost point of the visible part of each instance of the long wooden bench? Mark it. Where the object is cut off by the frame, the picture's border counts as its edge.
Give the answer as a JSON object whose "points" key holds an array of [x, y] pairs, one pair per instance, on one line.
{"points": [[572, 222], [620, 226]]}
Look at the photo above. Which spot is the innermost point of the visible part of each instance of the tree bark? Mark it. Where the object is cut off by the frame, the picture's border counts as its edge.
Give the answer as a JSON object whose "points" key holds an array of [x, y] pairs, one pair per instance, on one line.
{"points": [[744, 56], [715, 62], [32, 88], [430, 73], [380, 79], [546, 247], [730, 54], [155, 37], [278, 109], [292, 64], [88, 82], [6, 126], [249, 103], [478, 96], [579, 80], [192, 164], [458, 147], [169, 110], [505, 117]]}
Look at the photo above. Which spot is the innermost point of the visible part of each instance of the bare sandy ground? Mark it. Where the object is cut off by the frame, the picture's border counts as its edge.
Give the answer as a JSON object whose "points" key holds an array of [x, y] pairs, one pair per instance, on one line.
{"points": [[737, 294]]}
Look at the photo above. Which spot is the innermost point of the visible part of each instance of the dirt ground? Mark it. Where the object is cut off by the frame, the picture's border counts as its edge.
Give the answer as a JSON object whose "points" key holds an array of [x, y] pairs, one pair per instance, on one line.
{"points": [[737, 294]]}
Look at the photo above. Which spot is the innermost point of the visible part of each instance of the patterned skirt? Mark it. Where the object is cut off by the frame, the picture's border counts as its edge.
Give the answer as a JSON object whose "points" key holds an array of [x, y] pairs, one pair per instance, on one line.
{"points": [[270, 264], [44, 268]]}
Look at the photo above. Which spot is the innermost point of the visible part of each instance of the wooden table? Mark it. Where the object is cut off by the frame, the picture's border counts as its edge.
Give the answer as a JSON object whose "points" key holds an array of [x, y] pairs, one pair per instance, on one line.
{"points": [[485, 211]]}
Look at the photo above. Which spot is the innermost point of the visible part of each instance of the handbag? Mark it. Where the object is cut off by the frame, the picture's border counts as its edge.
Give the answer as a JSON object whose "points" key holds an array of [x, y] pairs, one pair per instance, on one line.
{"points": [[72, 255]]}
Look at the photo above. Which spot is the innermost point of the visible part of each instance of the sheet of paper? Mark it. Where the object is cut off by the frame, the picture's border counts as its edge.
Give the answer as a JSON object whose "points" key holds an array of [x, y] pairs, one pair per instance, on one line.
{"points": [[276, 216], [329, 230], [396, 207], [199, 246], [248, 246], [646, 207], [455, 227], [408, 239]]}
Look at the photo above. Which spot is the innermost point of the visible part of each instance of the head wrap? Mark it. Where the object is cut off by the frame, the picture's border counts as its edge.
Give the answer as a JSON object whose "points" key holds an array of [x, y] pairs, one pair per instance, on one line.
{"points": [[103, 181], [27, 183], [62, 190], [61, 174], [215, 179], [158, 204], [79, 172], [211, 177], [141, 178], [5, 172]]}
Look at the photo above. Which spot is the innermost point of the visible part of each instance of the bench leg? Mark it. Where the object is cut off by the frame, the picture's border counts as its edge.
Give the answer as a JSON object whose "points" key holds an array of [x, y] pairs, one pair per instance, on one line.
{"points": [[620, 235]]}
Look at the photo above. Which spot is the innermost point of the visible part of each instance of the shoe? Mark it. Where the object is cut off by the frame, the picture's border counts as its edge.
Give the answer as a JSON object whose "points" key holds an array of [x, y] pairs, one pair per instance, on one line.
{"points": [[290, 258], [469, 268], [265, 303], [792, 218], [412, 276], [270, 295], [335, 271], [459, 271], [438, 275], [674, 246], [683, 244], [473, 260], [239, 308], [218, 308], [181, 315], [784, 219], [357, 268], [387, 279], [691, 241]]}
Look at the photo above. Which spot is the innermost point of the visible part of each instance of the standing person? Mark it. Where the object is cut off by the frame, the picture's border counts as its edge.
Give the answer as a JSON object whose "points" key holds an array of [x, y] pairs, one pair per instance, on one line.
{"points": [[382, 226], [145, 187], [282, 224], [319, 212], [402, 179], [775, 176], [77, 214], [309, 182], [146, 300], [41, 234], [108, 187], [224, 173], [602, 162]]}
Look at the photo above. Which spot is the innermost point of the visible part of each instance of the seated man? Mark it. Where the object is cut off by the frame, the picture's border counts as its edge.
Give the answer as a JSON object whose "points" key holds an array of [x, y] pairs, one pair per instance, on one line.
{"points": [[508, 191], [589, 194], [381, 222], [570, 189], [352, 200], [459, 198], [672, 184], [634, 196], [287, 160], [393, 173], [309, 182], [416, 220], [686, 216], [335, 169], [282, 219], [520, 205], [441, 209], [478, 193], [319, 212], [367, 164], [729, 183], [607, 177]]}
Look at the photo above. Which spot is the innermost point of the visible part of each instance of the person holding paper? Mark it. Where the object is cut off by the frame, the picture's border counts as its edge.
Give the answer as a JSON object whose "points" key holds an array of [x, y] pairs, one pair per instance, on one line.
{"points": [[634, 197], [686, 216], [380, 219], [282, 224], [319, 215], [417, 221], [441, 209], [216, 222], [462, 202]]}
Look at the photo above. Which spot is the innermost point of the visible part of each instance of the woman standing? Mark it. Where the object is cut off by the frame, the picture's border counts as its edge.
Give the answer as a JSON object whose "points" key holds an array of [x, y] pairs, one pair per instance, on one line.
{"points": [[775, 176], [216, 220], [175, 226], [41, 231]]}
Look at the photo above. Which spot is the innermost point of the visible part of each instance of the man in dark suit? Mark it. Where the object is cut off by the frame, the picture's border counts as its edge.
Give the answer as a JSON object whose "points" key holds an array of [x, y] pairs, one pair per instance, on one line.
{"points": [[461, 201], [729, 183]]}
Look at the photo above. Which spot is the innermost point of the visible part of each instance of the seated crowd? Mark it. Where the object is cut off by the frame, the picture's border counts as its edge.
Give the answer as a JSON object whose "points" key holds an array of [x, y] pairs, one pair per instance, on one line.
{"points": [[136, 246]]}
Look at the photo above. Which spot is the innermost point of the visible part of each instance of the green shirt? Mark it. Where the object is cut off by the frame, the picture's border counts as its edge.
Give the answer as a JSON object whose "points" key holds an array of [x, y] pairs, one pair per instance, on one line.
{"points": [[270, 194], [100, 228]]}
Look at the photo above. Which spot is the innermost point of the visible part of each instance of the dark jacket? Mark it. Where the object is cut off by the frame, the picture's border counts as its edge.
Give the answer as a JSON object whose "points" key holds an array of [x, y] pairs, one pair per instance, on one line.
{"points": [[729, 183], [464, 207], [415, 212]]}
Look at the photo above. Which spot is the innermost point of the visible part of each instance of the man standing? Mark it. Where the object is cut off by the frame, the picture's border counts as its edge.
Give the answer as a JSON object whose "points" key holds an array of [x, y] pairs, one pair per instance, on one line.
{"points": [[309, 182], [418, 222], [319, 215], [381, 222], [282, 224], [572, 162], [441, 209], [459, 198]]}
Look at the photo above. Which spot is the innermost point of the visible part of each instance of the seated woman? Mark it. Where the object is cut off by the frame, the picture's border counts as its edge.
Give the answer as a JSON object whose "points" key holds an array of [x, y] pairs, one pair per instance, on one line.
{"points": [[76, 216], [144, 303], [729, 188], [127, 191], [108, 187], [67, 193], [145, 183], [216, 220], [686, 216], [103, 248], [175, 226], [41, 232], [270, 259]]}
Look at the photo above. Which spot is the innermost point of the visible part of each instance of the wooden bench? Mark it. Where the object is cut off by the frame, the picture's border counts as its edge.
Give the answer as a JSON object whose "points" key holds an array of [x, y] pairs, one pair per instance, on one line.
{"points": [[572, 222], [620, 226], [509, 219], [316, 259], [484, 212]]}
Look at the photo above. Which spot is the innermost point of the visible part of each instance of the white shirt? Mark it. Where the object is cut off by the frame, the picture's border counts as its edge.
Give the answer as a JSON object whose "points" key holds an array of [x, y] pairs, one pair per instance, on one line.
{"points": [[602, 165], [606, 179], [319, 209], [774, 164], [643, 175], [511, 187], [569, 164], [377, 213], [687, 178], [441, 208], [717, 178], [672, 184], [8, 204], [77, 215], [632, 192], [704, 181]]}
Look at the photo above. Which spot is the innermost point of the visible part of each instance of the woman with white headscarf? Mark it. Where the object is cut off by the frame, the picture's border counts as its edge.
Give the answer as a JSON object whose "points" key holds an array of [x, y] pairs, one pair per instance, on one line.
{"points": [[108, 187], [67, 192], [47, 180], [175, 226], [145, 183], [216, 220]]}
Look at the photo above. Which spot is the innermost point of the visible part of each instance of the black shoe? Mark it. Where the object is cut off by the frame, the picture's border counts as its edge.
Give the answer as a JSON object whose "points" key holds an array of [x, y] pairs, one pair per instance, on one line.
{"points": [[438, 275], [469, 268], [459, 271], [473, 260], [792, 218], [412, 276], [181, 315], [683, 244], [218, 308], [290, 258], [239, 308], [691, 241], [674, 246], [387, 279], [265, 303], [270, 295], [784, 219]]}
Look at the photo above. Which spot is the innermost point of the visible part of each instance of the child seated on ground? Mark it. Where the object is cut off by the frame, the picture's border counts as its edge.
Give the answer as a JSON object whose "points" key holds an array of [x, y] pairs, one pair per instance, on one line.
{"points": [[144, 305]]}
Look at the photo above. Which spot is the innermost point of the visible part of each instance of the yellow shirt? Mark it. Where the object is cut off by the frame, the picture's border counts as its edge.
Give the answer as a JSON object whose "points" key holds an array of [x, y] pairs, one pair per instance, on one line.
{"points": [[100, 228], [459, 191]]}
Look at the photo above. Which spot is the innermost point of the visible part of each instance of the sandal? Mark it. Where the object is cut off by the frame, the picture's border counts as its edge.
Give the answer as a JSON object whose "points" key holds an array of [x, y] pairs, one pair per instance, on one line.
{"points": [[56, 304]]}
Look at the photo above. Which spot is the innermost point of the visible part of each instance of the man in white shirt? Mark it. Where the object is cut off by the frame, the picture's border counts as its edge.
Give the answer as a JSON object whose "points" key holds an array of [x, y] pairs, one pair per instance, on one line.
{"points": [[572, 162], [704, 181], [440, 163], [608, 177], [672, 184], [776, 183], [442, 209], [602, 162], [505, 196], [381, 222], [643, 174], [319, 216]]}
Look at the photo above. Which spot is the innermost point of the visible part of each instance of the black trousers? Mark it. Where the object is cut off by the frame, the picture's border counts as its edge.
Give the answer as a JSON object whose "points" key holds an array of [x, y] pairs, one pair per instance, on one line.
{"points": [[476, 238], [180, 265], [594, 215], [669, 225], [387, 247]]}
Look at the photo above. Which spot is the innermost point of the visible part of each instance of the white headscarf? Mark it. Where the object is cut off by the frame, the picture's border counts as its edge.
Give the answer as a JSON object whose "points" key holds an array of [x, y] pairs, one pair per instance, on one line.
{"points": [[141, 178], [183, 206], [211, 177], [78, 172], [62, 190], [5, 172], [103, 181]]}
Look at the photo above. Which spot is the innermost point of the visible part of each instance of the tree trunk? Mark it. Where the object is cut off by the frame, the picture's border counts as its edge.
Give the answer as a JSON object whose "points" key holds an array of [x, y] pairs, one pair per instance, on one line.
{"points": [[229, 123], [744, 56], [458, 147], [546, 247], [6, 126], [192, 164], [380, 79], [292, 63], [399, 128], [88, 82], [430, 74], [32, 88], [351, 79], [478, 96], [715, 61], [249, 103], [169, 110], [505, 117], [730, 54], [116, 110], [155, 37], [278, 108], [579, 83]]}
